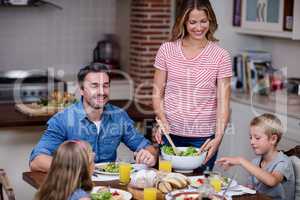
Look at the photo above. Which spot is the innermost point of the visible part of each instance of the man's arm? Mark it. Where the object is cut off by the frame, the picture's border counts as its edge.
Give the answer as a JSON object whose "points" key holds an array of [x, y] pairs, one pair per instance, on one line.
{"points": [[41, 155], [41, 162]]}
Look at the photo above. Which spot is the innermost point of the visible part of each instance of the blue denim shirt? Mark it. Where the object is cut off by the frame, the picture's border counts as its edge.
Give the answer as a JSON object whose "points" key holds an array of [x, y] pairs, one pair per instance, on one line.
{"points": [[72, 124]]}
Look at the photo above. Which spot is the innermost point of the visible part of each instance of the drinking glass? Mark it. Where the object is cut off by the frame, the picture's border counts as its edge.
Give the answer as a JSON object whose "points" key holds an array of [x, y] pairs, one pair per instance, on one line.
{"points": [[150, 193], [124, 173], [165, 165]]}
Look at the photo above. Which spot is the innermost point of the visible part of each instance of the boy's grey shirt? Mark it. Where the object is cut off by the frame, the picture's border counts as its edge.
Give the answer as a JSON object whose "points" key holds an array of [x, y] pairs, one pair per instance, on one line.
{"points": [[284, 190]]}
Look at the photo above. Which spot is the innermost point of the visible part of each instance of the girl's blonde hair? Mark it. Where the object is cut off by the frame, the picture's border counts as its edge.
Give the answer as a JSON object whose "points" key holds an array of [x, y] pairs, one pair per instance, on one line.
{"points": [[70, 169], [179, 30], [270, 124]]}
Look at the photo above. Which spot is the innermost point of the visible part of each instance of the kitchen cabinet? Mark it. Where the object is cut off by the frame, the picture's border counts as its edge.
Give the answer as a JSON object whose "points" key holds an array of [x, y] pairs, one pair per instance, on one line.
{"points": [[266, 18], [236, 141]]}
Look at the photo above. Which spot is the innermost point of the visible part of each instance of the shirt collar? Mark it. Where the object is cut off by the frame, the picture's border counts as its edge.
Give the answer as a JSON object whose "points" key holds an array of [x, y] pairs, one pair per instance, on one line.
{"points": [[82, 114]]}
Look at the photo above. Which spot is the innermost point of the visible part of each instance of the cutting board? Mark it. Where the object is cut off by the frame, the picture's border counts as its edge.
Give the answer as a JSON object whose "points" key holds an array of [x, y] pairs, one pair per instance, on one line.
{"points": [[139, 193], [35, 110]]}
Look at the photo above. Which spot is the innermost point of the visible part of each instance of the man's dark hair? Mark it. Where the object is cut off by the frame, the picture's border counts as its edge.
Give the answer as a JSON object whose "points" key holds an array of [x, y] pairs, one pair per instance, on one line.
{"points": [[93, 67]]}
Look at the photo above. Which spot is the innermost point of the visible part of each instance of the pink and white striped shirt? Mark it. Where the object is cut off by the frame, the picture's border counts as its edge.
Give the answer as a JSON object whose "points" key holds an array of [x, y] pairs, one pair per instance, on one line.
{"points": [[190, 100]]}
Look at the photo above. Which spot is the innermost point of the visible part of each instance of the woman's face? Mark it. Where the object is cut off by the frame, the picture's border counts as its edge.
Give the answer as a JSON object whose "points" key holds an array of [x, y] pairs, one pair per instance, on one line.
{"points": [[197, 24]]}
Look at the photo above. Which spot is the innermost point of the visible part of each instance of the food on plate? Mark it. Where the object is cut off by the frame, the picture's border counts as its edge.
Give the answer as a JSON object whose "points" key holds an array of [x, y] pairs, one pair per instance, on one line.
{"points": [[190, 151], [105, 194], [224, 181], [192, 195], [143, 178], [171, 181], [111, 167]]}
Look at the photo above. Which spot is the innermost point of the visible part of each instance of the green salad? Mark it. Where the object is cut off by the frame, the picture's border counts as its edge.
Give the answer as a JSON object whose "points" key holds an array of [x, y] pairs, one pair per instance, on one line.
{"points": [[112, 168], [190, 151], [101, 196]]}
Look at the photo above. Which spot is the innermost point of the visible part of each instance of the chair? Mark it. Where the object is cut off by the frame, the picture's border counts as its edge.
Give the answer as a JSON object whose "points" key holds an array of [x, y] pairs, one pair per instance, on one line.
{"points": [[5, 186], [294, 154]]}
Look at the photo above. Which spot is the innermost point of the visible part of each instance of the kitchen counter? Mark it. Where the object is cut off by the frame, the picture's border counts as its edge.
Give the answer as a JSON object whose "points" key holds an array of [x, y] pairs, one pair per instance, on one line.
{"points": [[269, 103], [11, 117]]}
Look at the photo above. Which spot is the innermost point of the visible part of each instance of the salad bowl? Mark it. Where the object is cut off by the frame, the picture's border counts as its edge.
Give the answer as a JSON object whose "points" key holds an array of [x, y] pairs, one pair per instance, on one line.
{"points": [[186, 161]]}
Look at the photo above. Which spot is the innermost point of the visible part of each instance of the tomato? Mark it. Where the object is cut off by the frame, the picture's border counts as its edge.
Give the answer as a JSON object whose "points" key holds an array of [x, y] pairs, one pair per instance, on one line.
{"points": [[200, 181]]}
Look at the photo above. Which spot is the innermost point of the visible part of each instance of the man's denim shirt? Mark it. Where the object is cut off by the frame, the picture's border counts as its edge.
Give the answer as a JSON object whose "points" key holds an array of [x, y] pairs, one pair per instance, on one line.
{"points": [[73, 124]]}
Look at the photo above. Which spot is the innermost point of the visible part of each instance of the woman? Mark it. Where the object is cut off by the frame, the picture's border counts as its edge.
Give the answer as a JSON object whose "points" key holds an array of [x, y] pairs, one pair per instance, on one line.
{"points": [[192, 81], [69, 177]]}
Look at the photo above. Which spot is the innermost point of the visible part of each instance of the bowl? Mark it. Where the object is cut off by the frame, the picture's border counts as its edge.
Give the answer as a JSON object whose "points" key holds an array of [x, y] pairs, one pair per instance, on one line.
{"points": [[184, 164]]}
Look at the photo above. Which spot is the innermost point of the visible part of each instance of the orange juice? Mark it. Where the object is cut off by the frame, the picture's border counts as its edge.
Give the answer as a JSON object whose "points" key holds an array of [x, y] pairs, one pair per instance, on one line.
{"points": [[215, 182], [165, 165], [149, 193], [124, 171]]}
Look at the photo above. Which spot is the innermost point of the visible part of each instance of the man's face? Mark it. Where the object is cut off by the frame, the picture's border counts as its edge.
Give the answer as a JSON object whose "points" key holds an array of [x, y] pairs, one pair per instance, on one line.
{"points": [[95, 89]]}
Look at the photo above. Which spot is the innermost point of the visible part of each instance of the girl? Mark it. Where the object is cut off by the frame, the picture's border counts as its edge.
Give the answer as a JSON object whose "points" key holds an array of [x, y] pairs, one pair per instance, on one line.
{"points": [[192, 81], [69, 177]]}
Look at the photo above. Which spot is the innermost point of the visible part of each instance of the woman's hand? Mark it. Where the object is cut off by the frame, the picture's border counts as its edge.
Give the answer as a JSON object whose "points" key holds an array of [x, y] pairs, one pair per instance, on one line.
{"points": [[158, 132], [212, 148]]}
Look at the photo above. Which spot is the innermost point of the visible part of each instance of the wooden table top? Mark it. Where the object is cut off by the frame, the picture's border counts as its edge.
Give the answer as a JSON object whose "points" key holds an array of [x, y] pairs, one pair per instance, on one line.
{"points": [[35, 179]]}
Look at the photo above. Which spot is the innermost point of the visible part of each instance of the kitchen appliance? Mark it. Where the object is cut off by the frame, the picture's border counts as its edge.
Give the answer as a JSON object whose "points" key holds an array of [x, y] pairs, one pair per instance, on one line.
{"points": [[28, 86], [293, 86], [107, 51]]}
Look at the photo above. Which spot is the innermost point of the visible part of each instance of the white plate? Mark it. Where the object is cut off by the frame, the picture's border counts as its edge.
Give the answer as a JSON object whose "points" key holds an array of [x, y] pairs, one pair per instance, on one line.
{"points": [[125, 195], [100, 166], [170, 195], [195, 184]]}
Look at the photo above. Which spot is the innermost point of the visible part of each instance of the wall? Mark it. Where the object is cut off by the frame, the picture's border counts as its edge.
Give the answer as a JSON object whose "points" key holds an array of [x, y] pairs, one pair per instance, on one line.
{"points": [[42, 37]]}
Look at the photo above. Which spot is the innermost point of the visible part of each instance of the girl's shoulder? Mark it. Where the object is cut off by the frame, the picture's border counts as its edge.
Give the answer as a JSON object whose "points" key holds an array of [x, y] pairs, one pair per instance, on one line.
{"points": [[79, 194]]}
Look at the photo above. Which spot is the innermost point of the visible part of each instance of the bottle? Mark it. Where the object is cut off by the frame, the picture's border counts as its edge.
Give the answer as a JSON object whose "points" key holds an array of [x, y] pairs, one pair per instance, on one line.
{"points": [[206, 189]]}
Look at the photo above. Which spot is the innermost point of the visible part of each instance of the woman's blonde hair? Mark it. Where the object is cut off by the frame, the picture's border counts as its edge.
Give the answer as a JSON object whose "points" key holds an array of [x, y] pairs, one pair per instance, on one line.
{"points": [[270, 124], [179, 30], [70, 169]]}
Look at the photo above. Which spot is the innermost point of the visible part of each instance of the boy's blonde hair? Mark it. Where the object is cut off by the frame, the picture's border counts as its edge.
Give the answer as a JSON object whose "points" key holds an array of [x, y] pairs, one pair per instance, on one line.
{"points": [[270, 124], [70, 170]]}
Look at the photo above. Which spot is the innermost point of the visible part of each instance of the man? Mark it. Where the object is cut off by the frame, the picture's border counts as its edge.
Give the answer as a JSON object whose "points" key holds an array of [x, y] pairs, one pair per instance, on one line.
{"points": [[94, 120]]}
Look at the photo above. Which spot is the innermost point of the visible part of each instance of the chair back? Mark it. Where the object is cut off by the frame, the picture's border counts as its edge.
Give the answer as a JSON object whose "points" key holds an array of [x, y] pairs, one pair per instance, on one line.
{"points": [[5, 186], [294, 154]]}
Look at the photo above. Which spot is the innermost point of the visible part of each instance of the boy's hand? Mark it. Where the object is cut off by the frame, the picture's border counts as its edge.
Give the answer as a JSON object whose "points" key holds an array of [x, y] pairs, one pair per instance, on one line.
{"points": [[227, 162]]}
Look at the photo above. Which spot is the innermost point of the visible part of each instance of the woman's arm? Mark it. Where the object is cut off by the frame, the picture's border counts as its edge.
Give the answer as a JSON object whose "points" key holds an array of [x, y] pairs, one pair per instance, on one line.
{"points": [[223, 100], [223, 106], [160, 77]]}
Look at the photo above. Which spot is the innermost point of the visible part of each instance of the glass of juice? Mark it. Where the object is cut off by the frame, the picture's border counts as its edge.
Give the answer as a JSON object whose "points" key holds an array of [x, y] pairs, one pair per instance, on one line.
{"points": [[215, 182], [165, 165], [124, 173], [150, 193]]}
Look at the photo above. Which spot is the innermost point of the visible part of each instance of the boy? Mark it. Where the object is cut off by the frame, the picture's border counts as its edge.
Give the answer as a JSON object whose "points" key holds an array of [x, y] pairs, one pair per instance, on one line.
{"points": [[272, 172]]}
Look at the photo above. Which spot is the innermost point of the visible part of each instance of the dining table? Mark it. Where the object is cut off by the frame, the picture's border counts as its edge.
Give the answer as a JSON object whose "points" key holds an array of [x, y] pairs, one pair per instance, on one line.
{"points": [[35, 179]]}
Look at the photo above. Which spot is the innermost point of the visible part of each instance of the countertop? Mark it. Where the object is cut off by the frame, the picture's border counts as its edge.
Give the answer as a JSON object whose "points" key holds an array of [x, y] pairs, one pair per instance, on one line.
{"points": [[11, 117], [271, 103]]}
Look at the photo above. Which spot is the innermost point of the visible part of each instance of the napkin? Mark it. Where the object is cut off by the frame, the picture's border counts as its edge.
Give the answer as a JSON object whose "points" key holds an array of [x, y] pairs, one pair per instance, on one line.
{"points": [[237, 190]]}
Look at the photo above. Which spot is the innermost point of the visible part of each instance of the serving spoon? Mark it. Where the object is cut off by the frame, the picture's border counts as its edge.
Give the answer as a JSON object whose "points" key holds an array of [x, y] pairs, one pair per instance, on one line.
{"points": [[164, 132]]}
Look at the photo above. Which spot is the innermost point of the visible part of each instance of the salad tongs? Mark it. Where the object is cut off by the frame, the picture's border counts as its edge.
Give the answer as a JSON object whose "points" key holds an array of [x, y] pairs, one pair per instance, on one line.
{"points": [[164, 132]]}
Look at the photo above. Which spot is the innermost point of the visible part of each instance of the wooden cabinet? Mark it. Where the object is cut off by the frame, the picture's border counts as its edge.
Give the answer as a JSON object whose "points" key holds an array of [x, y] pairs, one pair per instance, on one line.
{"points": [[266, 18]]}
